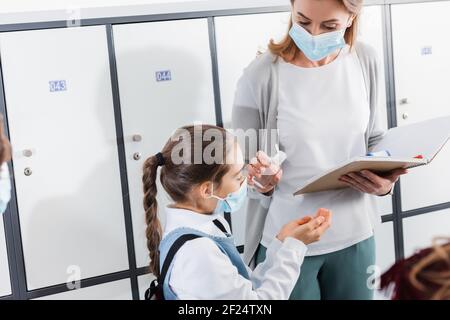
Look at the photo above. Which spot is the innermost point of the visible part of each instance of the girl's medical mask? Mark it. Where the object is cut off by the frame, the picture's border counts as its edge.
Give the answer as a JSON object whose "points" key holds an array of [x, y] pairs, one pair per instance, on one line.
{"points": [[233, 202], [317, 47], [5, 187]]}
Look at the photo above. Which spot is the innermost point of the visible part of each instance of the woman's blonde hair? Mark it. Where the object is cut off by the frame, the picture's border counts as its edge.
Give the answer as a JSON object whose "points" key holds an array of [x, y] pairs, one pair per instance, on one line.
{"points": [[288, 50]]}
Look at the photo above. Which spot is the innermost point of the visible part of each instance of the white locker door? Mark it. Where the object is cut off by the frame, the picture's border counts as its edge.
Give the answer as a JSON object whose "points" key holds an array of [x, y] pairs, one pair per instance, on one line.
{"points": [[421, 79], [165, 81], [371, 32], [60, 112], [419, 231], [385, 247], [385, 253], [117, 290], [5, 282], [239, 39]]}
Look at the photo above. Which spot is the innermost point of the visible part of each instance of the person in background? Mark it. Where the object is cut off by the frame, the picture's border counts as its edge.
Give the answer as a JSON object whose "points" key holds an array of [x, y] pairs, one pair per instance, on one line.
{"points": [[423, 276], [5, 181], [209, 266]]}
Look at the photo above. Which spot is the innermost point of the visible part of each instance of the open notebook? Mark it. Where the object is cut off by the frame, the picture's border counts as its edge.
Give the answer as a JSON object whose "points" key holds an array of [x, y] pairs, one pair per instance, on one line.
{"points": [[409, 146]]}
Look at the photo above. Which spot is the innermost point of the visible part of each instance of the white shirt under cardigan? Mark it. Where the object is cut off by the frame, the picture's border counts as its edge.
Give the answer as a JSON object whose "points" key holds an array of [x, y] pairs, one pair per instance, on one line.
{"points": [[202, 271], [322, 119]]}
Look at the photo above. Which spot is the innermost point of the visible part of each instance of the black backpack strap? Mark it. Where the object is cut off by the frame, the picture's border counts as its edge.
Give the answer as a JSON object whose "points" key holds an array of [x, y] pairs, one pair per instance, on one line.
{"points": [[156, 287], [220, 226], [173, 250]]}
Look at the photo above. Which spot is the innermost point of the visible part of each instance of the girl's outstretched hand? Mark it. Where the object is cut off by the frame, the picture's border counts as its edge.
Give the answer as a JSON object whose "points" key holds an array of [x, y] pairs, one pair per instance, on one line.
{"points": [[307, 229]]}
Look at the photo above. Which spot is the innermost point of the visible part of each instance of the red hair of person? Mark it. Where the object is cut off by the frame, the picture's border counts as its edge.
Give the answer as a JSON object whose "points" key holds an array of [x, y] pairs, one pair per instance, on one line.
{"points": [[423, 276]]}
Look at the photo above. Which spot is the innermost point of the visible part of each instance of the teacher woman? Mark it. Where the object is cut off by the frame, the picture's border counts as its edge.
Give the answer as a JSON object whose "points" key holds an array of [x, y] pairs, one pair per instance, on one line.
{"points": [[319, 88]]}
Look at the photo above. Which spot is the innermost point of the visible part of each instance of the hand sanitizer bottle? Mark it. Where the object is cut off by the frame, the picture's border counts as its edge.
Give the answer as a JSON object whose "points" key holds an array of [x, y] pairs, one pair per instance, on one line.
{"points": [[268, 172]]}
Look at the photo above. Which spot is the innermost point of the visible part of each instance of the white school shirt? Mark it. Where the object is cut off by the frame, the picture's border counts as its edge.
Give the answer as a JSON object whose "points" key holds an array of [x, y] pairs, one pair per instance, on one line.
{"points": [[202, 271], [323, 116]]}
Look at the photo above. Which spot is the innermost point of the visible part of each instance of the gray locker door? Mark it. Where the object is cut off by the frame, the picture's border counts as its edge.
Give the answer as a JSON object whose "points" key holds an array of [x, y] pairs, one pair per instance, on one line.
{"points": [[165, 80], [60, 112], [421, 79]]}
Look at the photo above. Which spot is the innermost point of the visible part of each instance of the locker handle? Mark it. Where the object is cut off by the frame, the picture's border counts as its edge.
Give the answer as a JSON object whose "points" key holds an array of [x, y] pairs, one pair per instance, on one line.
{"points": [[137, 138], [27, 153], [404, 101]]}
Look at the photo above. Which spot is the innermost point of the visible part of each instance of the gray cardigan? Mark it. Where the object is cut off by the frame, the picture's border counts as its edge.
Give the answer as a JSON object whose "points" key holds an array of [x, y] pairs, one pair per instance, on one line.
{"points": [[261, 78]]}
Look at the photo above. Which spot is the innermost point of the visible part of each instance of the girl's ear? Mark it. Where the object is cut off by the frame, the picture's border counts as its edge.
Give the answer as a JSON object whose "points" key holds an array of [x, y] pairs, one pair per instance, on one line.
{"points": [[205, 189]]}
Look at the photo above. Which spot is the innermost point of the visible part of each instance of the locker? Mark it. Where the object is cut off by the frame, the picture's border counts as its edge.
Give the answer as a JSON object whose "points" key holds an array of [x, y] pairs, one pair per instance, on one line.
{"points": [[421, 76], [426, 186], [5, 282], [421, 90], [239, 38], [117, 290], [419, 231], [61, 119], [165, 79], [385, 248]]}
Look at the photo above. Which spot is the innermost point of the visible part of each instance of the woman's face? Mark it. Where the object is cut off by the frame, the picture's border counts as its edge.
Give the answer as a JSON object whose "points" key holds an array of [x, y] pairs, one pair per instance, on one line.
{"points": [[321, 16]]}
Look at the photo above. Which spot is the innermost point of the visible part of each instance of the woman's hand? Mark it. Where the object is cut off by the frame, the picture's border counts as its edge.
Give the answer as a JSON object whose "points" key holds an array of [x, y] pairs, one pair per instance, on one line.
{"points": [[307, 229], [369, 182], [256, 167]]}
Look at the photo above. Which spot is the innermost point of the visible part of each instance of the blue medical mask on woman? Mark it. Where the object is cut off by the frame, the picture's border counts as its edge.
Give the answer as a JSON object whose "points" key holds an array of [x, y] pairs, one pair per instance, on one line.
{"points": [[317, 47], [233, 202], [5, 187]]}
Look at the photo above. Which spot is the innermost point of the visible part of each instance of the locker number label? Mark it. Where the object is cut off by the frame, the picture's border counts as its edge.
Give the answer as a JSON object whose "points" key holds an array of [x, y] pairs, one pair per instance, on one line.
{"points": [[58, 85], [164, 75], [426, 50]]}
